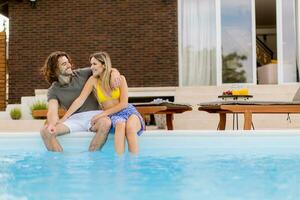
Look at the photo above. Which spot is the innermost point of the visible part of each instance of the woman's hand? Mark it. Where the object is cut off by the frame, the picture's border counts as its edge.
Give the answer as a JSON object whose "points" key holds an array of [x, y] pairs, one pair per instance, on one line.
{"points": [[96, 118]]}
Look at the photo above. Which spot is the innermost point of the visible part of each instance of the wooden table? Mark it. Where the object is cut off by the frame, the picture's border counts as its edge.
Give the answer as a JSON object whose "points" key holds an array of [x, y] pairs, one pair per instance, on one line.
{"points": [[169, 109], [247, 109]]}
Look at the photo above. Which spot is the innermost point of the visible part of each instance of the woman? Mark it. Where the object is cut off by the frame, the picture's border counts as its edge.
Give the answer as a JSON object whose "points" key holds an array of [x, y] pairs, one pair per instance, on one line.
{"points": [[125, 118]]}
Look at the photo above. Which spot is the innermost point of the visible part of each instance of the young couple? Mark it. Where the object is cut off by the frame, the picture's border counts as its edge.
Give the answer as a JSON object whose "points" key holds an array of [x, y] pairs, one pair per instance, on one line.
{"points": [[82, 92]]}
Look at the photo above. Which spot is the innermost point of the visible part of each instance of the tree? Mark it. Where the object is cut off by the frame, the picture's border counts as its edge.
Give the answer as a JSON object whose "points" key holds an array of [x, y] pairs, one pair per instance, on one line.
{"points": [[233, 71]]}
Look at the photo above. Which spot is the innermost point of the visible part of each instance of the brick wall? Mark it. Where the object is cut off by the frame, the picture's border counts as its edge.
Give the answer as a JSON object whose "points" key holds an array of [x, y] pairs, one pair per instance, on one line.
{"points": [[140, 35], [2, 71]]}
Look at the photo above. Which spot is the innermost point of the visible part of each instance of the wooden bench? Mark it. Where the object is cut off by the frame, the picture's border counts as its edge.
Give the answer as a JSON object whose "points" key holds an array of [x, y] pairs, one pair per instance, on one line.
{"points": [[166, 108], [247, 108]]}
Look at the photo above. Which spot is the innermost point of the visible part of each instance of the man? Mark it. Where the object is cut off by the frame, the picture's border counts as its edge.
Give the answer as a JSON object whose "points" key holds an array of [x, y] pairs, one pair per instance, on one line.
{"points": [[66, 86]]}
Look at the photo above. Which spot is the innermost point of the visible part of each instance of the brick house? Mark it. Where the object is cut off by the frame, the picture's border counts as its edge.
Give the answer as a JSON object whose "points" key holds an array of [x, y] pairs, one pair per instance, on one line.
{"points": [[160, 42], [141, 37], [210, 45]]}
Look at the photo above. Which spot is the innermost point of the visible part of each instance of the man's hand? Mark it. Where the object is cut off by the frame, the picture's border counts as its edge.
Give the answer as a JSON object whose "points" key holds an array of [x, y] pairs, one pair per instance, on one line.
{"points": [[115, 80]]}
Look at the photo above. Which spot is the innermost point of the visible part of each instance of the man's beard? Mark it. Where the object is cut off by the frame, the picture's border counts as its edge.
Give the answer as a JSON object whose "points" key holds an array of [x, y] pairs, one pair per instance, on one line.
{"points": [[66, 72], [64, 77]]}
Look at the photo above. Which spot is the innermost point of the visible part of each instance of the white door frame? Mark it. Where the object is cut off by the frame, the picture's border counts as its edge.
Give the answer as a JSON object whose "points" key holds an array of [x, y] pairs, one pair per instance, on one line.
{"points": [[254, 64], [218, 43], [298, 32], [279, 42]]}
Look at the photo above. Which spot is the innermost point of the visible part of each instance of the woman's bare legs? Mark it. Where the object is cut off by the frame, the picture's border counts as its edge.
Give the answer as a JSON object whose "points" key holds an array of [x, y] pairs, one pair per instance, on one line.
{"points": [[133, 125], [120, 137]]}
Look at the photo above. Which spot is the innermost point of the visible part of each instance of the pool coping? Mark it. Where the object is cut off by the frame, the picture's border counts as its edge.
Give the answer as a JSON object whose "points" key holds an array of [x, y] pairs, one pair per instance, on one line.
{"points": [[166, 133]]}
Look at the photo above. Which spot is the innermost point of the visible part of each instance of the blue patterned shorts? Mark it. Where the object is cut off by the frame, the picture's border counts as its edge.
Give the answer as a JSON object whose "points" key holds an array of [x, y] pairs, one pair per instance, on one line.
{"points": [[123, 115]]}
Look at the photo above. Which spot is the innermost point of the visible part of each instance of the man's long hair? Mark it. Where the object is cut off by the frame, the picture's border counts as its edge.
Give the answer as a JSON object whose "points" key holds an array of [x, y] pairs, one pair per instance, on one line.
{"points": [[50, 70]]}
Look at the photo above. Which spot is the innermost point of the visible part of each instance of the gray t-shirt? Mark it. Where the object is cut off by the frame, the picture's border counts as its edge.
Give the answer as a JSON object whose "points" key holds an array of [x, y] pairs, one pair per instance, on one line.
{"points": [[66, 94]]}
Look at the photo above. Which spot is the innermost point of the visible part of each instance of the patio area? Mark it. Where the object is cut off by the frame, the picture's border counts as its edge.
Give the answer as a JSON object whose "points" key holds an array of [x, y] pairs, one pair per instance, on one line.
{"points": [[190, 120]]}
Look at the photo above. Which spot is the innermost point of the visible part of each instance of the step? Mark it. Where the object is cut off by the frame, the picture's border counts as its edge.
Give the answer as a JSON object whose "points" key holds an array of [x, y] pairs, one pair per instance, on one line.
{"points": [[38, 92], [27, 102], [133, 91]]}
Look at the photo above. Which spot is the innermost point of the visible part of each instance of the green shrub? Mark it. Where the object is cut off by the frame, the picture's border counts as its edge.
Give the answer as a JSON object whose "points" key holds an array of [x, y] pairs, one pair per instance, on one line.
{"points": [[38, 105], [16, 113]]}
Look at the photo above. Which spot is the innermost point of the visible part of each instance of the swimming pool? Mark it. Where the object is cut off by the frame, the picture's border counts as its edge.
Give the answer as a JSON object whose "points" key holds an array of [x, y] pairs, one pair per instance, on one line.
{"points": [[177, 165]]}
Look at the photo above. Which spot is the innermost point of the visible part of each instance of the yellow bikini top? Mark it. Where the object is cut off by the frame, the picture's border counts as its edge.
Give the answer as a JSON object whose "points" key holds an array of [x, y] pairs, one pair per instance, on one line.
{"points": [[115, 94]]}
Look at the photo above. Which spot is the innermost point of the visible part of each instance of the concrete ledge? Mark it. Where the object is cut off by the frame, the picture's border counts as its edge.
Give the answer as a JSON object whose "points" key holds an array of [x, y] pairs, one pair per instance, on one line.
{"points": [[21, 125], [180, 133]]}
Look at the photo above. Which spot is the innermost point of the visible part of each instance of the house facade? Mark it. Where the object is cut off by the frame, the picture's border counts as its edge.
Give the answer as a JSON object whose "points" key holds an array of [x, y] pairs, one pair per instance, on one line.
{"points": [[158, 43], [140, 36], [232, 41]]}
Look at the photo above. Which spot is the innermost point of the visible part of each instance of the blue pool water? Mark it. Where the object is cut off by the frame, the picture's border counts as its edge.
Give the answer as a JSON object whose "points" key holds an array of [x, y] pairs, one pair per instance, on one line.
{"points": [[169, 166]]}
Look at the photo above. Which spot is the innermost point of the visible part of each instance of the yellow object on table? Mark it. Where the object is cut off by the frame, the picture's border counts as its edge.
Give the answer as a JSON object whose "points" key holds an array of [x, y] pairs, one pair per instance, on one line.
{"points": [[235, 92], [243, 91]]}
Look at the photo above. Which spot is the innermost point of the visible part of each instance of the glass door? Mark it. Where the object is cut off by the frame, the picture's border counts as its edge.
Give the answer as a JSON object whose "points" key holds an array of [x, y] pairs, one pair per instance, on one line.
{"points": [[237, 38]]}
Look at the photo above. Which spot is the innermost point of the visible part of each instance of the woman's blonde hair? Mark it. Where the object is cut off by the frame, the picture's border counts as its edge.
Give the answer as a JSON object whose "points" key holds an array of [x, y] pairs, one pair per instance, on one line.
{"points": [[104, 58]]}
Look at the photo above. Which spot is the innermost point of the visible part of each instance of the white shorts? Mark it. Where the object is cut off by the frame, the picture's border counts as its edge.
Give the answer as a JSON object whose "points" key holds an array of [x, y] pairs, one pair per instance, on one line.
{"points": [[81, 121]]}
